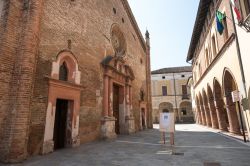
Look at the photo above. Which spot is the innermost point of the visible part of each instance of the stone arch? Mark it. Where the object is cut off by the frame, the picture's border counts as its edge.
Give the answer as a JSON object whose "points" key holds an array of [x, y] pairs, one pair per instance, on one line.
{"points": [[68, 59], [166, 107], [206, 108], [203, 115], [229, 85], [117, 99], [186, 111], [118, 40], [220, 106], [212, 108]]}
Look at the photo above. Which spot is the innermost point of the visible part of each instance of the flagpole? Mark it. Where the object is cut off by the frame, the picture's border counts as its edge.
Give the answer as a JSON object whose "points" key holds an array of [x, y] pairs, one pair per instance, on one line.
{"points": [[241, 67]]}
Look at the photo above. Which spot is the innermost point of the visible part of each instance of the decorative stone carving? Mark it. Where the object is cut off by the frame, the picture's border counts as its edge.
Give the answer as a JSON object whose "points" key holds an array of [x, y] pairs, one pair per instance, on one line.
{"points": [[118, 41]]}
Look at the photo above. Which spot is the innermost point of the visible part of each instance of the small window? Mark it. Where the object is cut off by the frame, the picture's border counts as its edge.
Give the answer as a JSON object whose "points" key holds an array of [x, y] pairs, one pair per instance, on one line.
{"points": [[200, 70], [207, 58], [214, 46], [63, 72], [164, 90], [141, 60], [123, 20], [163, 77], [182, 76], [225, 32], [114, 10]]}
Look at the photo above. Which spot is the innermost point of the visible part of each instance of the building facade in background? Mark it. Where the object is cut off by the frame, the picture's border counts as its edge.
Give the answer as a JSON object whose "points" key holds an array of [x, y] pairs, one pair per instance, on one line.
{"points": [[220, 65], [171, 93], [71, 72]]}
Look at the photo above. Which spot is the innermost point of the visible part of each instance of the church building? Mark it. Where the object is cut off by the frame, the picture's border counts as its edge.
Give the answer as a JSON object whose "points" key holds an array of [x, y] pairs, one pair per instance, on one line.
{"points": [[71, 72]]}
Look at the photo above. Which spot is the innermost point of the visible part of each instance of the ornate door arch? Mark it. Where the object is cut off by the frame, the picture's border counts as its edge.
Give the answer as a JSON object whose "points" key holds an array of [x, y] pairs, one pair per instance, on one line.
{"points": [[117, 72]]}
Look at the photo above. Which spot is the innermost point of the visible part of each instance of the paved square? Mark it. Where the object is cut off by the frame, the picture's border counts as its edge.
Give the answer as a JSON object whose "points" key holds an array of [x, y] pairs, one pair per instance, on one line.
{"points": [[196, 145]]}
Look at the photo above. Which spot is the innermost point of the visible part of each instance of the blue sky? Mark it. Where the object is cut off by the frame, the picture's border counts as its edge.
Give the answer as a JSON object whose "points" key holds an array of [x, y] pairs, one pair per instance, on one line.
{"points": [[170, 24]]}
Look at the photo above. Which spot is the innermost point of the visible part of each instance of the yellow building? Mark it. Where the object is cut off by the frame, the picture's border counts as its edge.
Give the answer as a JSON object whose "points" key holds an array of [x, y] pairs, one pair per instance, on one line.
{"points": [[170, 93], [219, 66]]}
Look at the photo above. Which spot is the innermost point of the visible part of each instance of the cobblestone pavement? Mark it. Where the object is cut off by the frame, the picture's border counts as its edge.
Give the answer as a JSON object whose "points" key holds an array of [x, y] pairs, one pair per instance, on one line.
{"points": [[195, 145]]}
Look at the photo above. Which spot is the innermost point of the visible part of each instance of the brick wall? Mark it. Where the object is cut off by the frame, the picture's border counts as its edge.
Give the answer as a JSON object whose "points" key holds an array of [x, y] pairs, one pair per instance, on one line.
{"points": [[20, 29], [87, 24]]}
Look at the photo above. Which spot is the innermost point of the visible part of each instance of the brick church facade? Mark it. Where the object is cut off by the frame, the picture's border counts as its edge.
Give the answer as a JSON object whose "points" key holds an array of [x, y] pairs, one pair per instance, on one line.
{"points": [[71, 72]]}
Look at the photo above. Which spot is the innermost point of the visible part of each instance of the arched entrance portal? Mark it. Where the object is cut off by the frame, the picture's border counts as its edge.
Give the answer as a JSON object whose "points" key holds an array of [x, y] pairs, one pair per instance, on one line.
{"points": [[117, 97], [166, 106], [62, 117], [186, 112], [220, 107], [232, 111]]}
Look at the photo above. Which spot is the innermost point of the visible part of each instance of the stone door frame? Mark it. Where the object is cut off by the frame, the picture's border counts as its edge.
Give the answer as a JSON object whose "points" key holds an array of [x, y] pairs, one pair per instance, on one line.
{"points": [[67, 90], [117, 72]]}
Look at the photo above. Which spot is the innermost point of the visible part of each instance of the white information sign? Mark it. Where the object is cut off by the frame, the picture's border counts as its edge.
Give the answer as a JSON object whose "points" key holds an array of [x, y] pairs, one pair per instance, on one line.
{"points": [[167, 122], [235, 95]]}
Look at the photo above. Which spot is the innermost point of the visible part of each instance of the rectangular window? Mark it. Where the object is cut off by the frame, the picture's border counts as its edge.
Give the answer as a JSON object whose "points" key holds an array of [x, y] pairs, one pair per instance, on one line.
{"points": [[214, 46], [164, 90], [225, 33]]}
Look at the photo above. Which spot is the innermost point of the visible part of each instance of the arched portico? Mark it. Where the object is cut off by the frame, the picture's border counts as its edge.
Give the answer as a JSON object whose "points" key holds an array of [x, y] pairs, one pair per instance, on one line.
{"points": [[229, 85], [220, 107], [185, 108]]}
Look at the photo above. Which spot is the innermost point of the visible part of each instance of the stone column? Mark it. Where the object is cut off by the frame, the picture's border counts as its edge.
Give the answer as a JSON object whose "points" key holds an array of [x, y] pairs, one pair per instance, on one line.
{"points": [[203, 117], [110, 94], [106, 96], [129, 119], [221, 114], [199, 120], [207, 114], [213, 114], [107, 122], [234, 126], [198, 114]]}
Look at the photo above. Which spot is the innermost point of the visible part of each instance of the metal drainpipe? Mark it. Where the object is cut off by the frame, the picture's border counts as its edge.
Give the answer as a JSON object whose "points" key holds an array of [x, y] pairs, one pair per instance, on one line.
{"points": [[175, 97]]}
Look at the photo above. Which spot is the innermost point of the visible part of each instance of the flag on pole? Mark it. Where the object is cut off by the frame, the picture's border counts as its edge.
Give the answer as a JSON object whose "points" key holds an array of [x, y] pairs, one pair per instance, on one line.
{"points": [[235, 5], [219, 21]]}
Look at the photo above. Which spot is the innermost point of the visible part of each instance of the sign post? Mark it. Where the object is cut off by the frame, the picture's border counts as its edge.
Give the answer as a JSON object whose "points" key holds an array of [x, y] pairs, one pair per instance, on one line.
{"points": [[236, 99], [167, 124]]}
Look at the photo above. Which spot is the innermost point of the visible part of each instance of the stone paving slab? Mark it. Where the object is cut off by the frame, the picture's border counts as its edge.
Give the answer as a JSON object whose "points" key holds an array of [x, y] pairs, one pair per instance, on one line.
{"points": [[195, 145]]}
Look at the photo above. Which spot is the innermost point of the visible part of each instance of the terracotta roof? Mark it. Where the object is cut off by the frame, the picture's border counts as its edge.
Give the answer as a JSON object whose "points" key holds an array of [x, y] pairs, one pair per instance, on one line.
{"points": [[198, 25], [173, 70]]}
